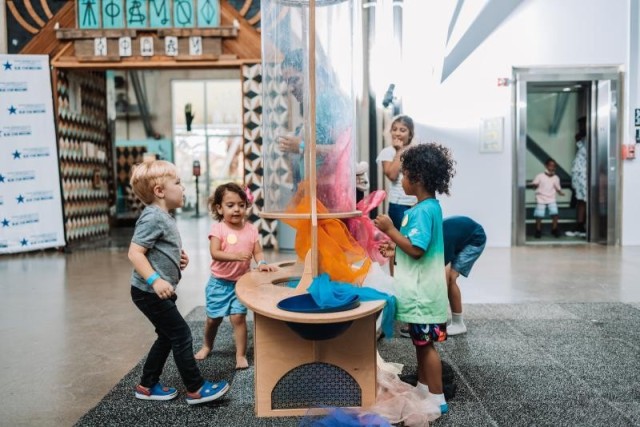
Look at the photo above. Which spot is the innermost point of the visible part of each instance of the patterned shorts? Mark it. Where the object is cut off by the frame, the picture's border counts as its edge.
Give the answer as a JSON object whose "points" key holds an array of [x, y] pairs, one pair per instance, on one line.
{"points": [[426, 334]]}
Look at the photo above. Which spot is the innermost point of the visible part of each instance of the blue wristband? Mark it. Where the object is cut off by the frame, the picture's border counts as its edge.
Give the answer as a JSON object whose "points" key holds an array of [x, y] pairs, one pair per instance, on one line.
{"points": [[261, 262], [152, 278]]}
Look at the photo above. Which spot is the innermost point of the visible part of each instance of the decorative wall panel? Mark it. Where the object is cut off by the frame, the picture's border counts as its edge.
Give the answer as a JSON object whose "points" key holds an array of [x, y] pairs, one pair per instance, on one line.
{"points": [[85, 153], [252, 121]]}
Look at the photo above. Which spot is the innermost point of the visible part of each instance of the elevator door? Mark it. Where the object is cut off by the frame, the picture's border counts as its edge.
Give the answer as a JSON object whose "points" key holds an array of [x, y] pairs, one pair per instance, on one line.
{"points": [[597, 98], [605, 158]]}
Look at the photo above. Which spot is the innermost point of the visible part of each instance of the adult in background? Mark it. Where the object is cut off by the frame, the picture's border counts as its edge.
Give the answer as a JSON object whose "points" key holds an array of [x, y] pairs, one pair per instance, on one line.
{"points": [[579, 181]]}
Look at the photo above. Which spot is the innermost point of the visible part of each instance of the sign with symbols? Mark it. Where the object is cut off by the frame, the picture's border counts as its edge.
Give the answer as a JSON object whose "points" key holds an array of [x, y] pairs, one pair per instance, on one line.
{"points": [[112, 14], [124, 46], [171, 46], [120, 14], [146, 46], [195, 46], [100, 46], [136, 13], [160, 13], [183, 14], [89, 14], [208, 13]]}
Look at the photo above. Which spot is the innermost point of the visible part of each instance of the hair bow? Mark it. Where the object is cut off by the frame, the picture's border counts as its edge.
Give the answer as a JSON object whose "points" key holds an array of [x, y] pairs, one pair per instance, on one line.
{"points": [[247, 191]]}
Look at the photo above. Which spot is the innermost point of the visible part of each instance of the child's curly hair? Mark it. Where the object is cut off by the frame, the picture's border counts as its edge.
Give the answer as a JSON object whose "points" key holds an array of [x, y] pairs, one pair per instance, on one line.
{"points": [[216, 199], [430, 164]]}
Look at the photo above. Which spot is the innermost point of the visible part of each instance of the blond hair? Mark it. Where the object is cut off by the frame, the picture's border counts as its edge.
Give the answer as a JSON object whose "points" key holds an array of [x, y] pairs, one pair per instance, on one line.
{"points": [[145, 176]]}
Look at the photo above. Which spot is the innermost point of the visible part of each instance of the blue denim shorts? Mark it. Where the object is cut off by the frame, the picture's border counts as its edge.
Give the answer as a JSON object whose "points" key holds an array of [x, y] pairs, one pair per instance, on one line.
{"points": [[541, 207], [221, 298], [463, 262]]}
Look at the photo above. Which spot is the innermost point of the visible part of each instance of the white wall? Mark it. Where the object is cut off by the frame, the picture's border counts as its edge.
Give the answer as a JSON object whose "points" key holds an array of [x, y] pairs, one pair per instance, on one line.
{"points": [[631, 169], [536, 33]]}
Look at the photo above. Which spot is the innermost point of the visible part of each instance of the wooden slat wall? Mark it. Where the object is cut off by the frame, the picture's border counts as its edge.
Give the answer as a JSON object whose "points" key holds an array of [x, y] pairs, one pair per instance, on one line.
{"points": [[247, 46], [46, 42]]}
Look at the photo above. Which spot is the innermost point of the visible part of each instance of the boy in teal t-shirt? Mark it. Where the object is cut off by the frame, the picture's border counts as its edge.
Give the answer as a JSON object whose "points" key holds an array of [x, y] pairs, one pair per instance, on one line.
{"points": [[421, 287]]}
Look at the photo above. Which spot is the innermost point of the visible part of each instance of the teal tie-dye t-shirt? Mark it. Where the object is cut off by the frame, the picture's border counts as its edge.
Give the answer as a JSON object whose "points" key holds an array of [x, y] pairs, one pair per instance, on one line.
{"points": [[421, 287]]}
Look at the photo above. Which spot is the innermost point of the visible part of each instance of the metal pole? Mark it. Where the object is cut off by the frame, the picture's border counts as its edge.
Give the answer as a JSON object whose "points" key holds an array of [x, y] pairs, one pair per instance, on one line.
{"points": [[197, 215]]}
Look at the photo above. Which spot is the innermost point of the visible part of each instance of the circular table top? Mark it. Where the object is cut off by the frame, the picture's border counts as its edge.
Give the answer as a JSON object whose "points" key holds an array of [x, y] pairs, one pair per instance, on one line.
{"points": [[257, 291]]}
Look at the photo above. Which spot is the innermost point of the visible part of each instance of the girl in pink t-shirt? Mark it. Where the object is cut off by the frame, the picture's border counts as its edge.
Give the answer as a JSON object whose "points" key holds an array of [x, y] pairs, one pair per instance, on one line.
{"points": [[233, 242]]}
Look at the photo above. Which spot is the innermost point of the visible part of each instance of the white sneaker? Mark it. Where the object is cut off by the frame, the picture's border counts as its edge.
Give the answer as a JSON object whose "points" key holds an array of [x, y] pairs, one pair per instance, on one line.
{"points": [[456, 329], [571, 233]]}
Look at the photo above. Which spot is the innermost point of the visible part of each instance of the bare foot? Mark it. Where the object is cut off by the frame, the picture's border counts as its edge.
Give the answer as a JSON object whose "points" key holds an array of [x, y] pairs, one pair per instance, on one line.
{"points": [[203, 353], [241, 362]]}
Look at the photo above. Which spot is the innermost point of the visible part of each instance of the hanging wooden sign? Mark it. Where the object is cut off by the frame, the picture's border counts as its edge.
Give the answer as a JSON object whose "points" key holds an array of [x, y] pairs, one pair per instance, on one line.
{"points": [[138, 14]]}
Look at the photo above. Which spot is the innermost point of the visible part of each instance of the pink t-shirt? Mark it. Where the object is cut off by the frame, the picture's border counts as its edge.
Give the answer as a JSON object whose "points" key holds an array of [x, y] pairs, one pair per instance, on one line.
{"points": [[232, 240], [547, 188]]}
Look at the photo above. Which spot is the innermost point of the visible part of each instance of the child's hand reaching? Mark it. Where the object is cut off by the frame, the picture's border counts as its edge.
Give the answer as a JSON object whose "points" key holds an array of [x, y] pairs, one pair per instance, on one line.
{"points": [[383, 223], [387, 249], [263, 266]]}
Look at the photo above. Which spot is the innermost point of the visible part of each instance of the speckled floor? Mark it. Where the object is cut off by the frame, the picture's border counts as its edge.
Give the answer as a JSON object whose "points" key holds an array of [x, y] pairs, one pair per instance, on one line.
{"points": [[70, 332]]}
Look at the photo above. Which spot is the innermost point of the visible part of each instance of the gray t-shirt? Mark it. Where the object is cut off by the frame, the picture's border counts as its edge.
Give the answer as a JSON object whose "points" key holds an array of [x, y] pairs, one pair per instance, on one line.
{"points": [[157, 231]]}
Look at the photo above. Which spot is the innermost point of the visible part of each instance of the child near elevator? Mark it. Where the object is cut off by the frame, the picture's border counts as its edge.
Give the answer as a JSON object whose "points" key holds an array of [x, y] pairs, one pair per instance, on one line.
{"points": [[547, 185]]}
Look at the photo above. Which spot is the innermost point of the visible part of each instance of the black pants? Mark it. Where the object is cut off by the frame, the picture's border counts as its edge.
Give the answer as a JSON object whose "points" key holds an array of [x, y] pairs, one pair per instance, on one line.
{"points": [[173, 335]]}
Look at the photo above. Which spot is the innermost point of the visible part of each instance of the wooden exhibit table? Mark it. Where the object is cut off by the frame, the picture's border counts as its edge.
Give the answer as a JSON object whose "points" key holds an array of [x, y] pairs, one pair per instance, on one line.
{"points": [[293, 374]]}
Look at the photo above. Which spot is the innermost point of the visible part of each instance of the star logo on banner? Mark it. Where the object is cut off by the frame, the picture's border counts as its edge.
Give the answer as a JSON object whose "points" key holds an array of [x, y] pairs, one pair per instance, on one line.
{"points": [[20, 198], [5, 222], [1, 178], [16, 154], [7, 65], [24, 242], [12, 110]]}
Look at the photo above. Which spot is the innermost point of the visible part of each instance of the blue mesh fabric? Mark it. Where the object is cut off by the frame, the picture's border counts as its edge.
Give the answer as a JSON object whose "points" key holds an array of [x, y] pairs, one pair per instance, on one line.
{"points": [[327, 294]]}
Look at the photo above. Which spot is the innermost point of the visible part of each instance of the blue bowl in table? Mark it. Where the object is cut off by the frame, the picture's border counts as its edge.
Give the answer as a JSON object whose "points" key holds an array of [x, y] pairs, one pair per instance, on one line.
{"points": [[304, 303], [317, 331]]}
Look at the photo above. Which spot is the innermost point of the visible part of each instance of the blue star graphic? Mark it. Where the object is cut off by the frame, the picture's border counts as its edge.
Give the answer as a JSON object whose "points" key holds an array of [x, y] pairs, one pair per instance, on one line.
{"points": [[1, 178], [16, 154], [12, 110], [24, 242], [7, 65], [20, 198], [5, 222]]}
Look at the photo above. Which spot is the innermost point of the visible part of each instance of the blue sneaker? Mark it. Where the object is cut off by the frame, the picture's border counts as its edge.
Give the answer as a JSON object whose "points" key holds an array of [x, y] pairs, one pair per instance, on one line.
{"points": [[157, 392], [208, 392], [444, 408]]}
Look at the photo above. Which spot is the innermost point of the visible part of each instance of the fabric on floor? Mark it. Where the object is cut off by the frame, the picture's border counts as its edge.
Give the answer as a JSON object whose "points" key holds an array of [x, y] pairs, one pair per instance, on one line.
{"points": [[518, 365]]}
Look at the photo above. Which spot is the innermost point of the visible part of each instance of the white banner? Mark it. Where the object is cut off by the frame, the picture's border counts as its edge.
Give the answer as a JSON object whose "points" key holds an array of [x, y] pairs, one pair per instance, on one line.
{"points": [[30, 202]]}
